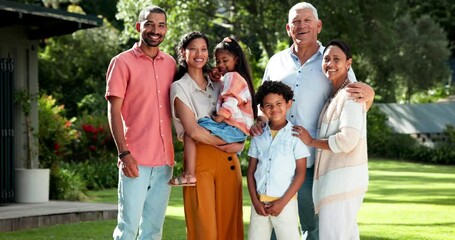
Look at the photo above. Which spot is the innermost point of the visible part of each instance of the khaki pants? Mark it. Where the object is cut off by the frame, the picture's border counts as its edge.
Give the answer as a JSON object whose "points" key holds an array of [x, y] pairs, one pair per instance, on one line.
{"points": [[285, 225]]}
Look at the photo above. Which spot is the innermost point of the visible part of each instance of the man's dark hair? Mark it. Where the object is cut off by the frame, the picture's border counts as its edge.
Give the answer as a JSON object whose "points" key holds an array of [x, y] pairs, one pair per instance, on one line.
{"points": [[151, 9], [275, 87]]}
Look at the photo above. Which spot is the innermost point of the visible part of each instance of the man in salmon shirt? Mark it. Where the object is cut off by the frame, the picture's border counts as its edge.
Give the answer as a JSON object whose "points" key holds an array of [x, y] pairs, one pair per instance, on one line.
{"points": [[138, 85]]}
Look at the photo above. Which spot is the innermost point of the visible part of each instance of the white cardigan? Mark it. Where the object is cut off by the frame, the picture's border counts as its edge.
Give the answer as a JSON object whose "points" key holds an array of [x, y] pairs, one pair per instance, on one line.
{"points": [[341, 172]]}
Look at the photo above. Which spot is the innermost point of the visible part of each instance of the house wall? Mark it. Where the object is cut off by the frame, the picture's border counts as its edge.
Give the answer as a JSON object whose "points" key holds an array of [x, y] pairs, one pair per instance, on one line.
{"points": [[14, 44], [429, 139]]}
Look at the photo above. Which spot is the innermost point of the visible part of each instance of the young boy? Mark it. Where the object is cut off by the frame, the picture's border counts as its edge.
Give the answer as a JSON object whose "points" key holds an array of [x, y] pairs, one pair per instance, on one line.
{"points": [[276, 169]]}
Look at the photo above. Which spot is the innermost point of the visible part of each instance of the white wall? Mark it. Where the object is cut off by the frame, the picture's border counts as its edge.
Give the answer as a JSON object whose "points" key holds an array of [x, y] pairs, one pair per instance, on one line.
{"points": [[14, 44]]}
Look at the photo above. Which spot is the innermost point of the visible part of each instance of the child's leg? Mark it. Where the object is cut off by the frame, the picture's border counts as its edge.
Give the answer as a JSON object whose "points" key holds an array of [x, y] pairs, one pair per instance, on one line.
{"points": [[188, 177], [260, 226], [286, 223], [189, 155]]}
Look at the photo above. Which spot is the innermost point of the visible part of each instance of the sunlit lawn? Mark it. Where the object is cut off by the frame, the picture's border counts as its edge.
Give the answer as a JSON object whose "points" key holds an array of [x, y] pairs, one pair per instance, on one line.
{"points": [[409, 201], [404, 201]]}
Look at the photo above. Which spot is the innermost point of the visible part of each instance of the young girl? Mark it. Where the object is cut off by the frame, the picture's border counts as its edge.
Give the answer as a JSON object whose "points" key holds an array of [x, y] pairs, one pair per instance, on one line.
{"points": [[234, 114]]}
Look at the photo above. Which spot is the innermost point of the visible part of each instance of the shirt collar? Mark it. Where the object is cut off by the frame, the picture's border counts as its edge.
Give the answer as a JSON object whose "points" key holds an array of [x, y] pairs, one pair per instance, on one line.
{"points": [[288, 127], [192, 84], [293, 56], [139, 53]]}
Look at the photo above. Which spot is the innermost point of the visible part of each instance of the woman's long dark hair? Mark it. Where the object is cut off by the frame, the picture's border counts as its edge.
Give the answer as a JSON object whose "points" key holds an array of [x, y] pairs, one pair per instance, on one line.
{"points": [[242, 66], [184, 42]]}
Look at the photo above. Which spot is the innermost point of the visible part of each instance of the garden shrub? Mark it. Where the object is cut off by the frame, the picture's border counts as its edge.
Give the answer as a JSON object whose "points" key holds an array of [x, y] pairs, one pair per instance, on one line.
{"points": [[67, 185], [86, 142], [97, 175], [55, 136], [383, 142], [55, 132], [94, 141]]}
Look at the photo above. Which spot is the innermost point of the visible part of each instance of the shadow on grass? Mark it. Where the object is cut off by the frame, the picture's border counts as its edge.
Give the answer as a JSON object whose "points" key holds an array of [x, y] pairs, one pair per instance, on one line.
{"points": [[440, 224], [403, 182], [369, 237], [406, 166], [176, 226], [176, 199], [440, 201]]}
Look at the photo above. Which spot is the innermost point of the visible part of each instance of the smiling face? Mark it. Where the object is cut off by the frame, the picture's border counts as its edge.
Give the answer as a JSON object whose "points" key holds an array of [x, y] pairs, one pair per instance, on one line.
{"points": [[303, 27], [225, 61], [153, 29], [196, 54], [275, 107], [335, 64]]}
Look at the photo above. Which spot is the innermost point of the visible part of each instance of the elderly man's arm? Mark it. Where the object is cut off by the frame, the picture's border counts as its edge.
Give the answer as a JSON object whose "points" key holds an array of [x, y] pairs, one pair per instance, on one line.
{"points": [[361, 92]]}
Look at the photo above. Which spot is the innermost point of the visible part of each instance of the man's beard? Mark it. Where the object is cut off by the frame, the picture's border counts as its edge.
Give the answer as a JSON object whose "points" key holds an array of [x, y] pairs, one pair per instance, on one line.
{"points": [[152, 43]]}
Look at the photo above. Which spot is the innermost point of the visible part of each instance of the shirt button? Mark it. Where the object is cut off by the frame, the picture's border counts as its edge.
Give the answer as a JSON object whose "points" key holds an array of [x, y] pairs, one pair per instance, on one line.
{"points": [[292, 116], [230, 158], [210, 96], [213, 104], [232, 167]]}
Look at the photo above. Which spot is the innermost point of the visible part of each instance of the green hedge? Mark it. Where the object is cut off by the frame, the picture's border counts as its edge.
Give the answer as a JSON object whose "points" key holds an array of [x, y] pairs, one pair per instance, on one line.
{"points": [[383, 142]]}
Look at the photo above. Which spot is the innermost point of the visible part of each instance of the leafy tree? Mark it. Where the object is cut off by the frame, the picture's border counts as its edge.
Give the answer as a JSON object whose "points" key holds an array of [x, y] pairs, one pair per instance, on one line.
{"points": [[183, 17], [441, 11], [368, 28], [73, 66], [378, 36], [422, 55], [105, 8]]}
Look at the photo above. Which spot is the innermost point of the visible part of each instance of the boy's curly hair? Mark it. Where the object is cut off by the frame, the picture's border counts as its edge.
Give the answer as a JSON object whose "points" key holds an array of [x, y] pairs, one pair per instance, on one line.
{"points": [[273, 87]]}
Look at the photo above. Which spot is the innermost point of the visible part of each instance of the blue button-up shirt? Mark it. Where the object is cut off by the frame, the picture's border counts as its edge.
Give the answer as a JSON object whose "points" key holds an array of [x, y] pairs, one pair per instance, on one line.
{"points": [[276, 165], [311, 87]]}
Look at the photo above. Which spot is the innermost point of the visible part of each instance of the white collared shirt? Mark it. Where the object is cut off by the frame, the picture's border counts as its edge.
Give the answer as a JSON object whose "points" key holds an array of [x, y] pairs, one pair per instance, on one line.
{"points": [[201, 102], [311, 87], [276, 165]]}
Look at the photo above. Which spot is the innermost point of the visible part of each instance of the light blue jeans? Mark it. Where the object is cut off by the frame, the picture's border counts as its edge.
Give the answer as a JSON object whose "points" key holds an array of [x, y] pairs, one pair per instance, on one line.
{"points": [[228, 133], [142, 203]]}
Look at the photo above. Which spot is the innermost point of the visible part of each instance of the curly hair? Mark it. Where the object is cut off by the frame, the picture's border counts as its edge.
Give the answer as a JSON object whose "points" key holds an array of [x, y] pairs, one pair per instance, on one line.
{"points": [[185, 40], [275, 87]]}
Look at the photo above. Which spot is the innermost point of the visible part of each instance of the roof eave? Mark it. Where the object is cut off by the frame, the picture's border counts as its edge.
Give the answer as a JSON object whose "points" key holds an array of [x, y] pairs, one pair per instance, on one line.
{"points": [[41, 22]]}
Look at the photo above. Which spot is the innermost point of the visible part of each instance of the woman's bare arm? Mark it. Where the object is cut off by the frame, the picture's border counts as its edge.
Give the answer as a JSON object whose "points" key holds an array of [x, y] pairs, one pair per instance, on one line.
{"points": [[191, 127]]}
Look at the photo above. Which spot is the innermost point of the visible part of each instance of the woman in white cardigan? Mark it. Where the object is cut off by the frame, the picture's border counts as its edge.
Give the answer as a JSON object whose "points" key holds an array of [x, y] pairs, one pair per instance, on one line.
{"points": [[341, 165]]}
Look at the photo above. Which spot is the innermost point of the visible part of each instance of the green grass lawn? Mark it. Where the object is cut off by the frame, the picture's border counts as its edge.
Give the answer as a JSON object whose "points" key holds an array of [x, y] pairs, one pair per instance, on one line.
{"points": [[404, 201]]}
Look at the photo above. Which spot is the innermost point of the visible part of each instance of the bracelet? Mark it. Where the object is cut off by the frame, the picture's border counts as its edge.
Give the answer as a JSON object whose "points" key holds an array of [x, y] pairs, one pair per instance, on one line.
{"points": [[123, 154]]}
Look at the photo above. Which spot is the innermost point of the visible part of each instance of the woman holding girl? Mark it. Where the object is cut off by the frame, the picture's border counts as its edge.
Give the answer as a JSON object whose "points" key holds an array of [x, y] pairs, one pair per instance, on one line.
{"points": [[213, 207]]}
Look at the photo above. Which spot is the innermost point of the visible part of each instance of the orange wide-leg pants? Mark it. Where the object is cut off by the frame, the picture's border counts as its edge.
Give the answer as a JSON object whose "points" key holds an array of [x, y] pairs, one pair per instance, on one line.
{"points": [[213, 209]]}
